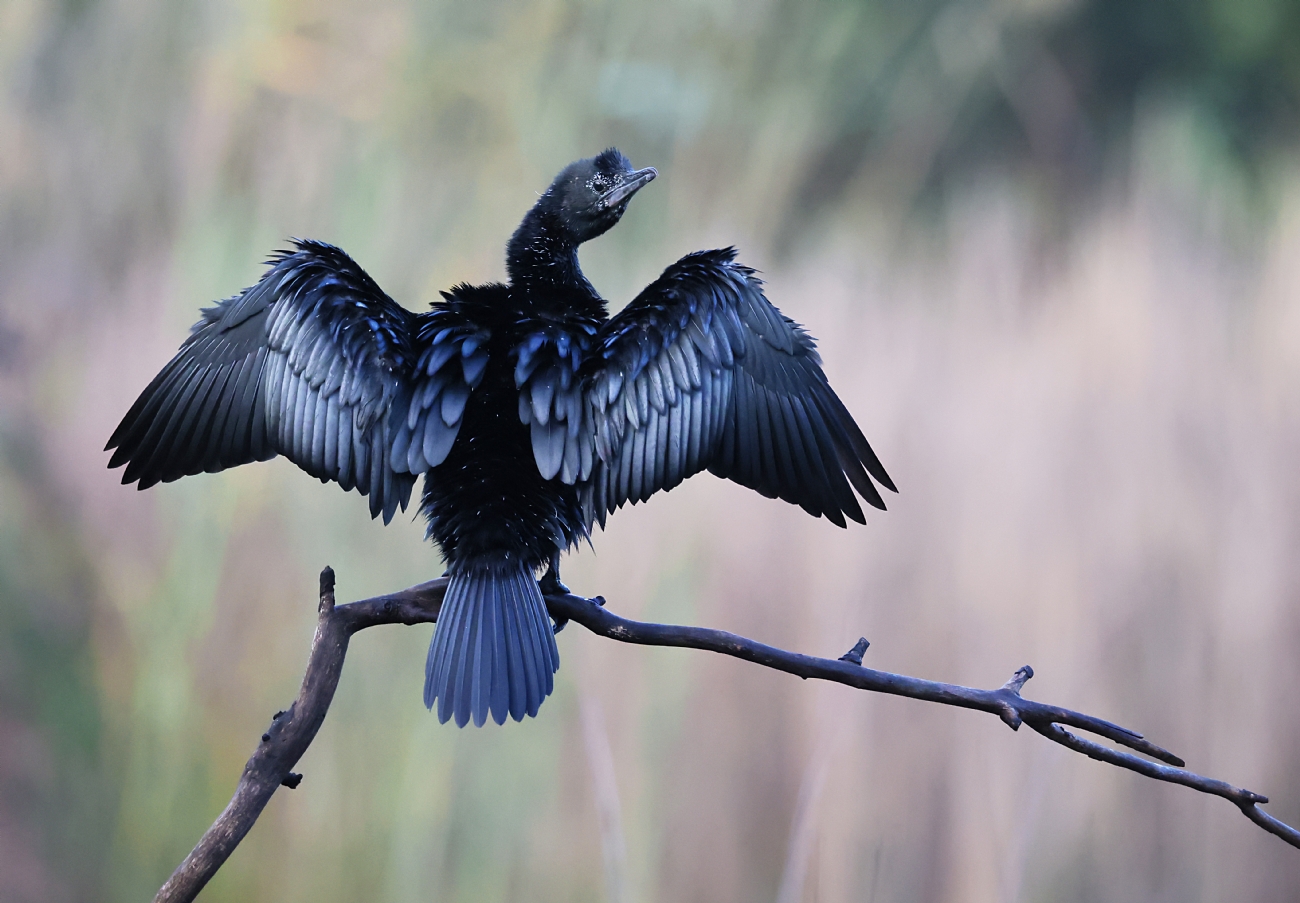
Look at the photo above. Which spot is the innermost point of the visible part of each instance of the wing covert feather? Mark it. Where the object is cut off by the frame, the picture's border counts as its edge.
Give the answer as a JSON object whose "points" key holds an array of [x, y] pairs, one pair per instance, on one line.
{"points": [[427, 417], [701, 372]]}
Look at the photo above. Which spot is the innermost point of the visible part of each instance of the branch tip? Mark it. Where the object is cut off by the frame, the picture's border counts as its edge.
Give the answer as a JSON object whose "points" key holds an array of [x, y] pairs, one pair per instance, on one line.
{"points": [[1018, 679], [327, 589], [854, 655], [291, 780]]}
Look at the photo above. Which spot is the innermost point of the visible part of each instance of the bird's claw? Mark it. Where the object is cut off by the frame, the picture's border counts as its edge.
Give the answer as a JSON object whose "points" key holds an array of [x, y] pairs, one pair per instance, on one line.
{"points": [[551, 585], [550, 582]]}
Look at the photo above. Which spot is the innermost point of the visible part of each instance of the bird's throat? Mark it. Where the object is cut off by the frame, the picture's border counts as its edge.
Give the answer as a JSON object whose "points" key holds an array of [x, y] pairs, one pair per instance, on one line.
{"points": [[542, 261]]}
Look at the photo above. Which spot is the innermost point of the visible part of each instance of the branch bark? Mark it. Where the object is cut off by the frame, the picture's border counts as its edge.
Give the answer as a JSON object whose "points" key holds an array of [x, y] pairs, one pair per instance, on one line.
{"points": [[293, 730]]}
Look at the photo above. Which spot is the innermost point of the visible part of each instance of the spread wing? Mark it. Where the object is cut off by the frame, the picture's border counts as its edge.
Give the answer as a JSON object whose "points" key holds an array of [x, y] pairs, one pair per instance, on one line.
{"points": [[701, 372], [306, 363]]}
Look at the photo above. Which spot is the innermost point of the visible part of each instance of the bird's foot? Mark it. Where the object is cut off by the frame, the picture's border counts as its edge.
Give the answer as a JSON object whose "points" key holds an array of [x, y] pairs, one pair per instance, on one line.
{"points": [[550, 582], [550, 585]]}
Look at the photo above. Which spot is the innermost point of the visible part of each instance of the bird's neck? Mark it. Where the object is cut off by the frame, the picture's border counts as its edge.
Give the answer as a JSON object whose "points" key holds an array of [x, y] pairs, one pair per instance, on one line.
{"points": [[542, 261]]}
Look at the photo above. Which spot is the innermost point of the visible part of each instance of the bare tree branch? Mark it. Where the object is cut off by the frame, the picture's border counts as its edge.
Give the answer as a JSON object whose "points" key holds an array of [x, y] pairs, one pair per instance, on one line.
{"points": [[292, 730]]}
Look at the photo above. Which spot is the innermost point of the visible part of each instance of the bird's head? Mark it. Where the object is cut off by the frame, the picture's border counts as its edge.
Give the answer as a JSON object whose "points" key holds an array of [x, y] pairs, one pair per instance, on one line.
{"points": [[588, 197]]}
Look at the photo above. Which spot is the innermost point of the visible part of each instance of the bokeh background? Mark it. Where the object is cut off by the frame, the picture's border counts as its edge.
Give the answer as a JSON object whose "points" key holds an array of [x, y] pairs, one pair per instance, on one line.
{"points": [[1052, 252]]}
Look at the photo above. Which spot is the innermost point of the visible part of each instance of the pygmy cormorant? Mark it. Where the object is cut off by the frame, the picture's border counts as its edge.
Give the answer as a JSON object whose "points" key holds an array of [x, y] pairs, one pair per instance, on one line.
{"points": [[530, 411]]}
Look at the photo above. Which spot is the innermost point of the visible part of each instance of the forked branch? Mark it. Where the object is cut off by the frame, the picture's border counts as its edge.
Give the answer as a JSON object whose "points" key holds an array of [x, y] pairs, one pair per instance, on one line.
{"points": [[292, 730]]}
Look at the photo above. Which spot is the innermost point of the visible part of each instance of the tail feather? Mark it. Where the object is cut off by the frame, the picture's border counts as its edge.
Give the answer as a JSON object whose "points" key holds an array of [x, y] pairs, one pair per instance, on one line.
{"points": [[518, 683], [493, 649]]}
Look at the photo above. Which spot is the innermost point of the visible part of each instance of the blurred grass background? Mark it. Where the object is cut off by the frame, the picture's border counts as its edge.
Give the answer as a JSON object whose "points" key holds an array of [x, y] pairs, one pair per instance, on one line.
{"points": [[1052, 252]]}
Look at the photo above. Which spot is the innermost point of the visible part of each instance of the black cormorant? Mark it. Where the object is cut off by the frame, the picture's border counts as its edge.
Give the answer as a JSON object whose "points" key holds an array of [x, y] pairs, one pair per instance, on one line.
{"points": [[530, 411]]}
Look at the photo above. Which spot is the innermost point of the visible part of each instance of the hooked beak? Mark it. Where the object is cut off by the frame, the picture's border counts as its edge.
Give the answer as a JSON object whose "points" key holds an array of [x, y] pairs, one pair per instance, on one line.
{"points": [[635, 182]]}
